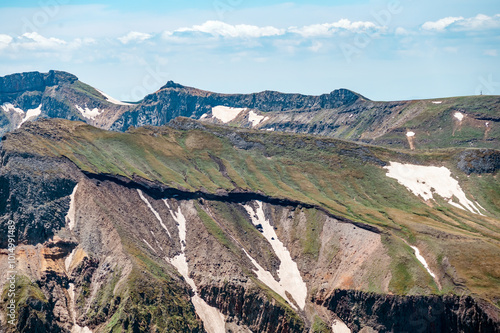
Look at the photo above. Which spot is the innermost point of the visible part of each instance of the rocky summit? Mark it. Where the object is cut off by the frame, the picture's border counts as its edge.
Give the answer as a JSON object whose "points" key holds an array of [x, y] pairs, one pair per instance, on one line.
{"points": [[192, 211]]}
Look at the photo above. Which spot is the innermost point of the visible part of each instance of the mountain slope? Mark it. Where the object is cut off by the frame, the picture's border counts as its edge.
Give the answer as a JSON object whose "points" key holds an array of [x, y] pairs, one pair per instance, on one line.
{"points": [[157, 227], [471, 121], [28, 96]]}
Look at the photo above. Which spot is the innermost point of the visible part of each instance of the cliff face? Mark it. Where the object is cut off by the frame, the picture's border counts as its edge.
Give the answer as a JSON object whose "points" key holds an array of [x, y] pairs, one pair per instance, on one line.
{"points": [[451, 122], [33, 81], [28, 96], [202, 229], [174, 100], [392, 313]]}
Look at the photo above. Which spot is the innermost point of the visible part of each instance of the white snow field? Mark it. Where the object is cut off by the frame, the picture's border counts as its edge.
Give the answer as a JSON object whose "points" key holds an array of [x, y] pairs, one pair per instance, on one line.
{"points": [[111, 99], [213, 319], [459, 116], [255, 119], [158, 217], [8, 107], [88, 113], [288, 272], [70, 216], [338, 326], [422, 260], [31, 113], [225, 113], [76, 328], [425, 181]]}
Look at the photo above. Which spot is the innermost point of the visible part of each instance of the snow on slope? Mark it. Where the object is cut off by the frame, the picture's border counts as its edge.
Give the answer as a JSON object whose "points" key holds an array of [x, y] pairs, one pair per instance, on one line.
{"points": [[31, 113], [87, 113], [213, 319], [111, 99], [225, 113], [268, 279], [70, 216], [410, 134], [424, 181], [339, 327], [76, 328], [255, 119], [422, 260], [155, 213], [288, 272], [459, 116], [8, 107]]}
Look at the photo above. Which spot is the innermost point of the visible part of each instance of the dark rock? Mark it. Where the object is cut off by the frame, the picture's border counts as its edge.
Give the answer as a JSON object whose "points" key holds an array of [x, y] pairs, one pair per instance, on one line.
{"points": [[394, 313], [479, 161]]}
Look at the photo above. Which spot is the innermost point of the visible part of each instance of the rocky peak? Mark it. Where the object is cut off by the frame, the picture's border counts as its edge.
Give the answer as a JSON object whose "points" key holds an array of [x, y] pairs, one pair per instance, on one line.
{"points": [[171, 84], [34, 81]]}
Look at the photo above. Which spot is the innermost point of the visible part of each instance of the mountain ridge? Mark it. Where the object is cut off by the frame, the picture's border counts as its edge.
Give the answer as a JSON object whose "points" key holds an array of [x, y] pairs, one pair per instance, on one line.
{"points": [[420, 124], [102, 211]]}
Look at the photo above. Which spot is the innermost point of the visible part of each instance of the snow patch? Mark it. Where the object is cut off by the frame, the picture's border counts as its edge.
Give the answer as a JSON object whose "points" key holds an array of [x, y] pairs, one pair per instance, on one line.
{"points": [[225, 113], [410, 134], [155, 213], [422, 260], [69, 260], [268, 279], [145, 241], [437, 102], [111, 99], [288, 272], [271, 129], [87, 113], [76, 328], [255, 119], [8, 107], [31, 113], [338, 326], [213, 319], [203, 116], [459, 116], [424, 181], [70, 217]]}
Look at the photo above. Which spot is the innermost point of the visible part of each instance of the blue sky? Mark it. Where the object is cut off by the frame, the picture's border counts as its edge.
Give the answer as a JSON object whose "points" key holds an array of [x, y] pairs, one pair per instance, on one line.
{"points": [[385, 50]]}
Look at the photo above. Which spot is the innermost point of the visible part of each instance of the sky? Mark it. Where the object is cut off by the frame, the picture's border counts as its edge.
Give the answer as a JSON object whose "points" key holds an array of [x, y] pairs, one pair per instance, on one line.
{"points": [[382, 49]]}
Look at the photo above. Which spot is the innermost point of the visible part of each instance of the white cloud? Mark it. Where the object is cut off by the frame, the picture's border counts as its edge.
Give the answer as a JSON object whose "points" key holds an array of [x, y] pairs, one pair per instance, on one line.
{"points": [[34, 41], [491, 53], [316, 46], [222, 29], [5, 40], [328, 29], [441, 24], [134, 36], [478, 22], [400, 31]]}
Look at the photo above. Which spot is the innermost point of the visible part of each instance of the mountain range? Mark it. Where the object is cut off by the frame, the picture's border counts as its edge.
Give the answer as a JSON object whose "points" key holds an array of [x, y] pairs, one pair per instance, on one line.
{"points": [[193, 211], [471, 121]]}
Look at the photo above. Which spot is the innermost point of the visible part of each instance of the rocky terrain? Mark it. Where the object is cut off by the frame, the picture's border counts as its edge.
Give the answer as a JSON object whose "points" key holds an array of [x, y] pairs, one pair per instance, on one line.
{"points": [[199, 227], [421, 124]]}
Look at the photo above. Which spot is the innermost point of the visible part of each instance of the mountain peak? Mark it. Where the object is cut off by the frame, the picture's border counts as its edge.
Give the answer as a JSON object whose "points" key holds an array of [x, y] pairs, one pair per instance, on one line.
{"points": [[34, 81], [172, 84]]}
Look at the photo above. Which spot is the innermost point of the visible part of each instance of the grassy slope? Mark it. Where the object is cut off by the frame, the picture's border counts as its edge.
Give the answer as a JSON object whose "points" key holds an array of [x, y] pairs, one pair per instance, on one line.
{"points": [[435, 125], [340, 178]]}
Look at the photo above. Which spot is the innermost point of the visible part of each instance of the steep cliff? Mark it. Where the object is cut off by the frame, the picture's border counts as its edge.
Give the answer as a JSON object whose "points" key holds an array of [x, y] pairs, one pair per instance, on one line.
{"points": [[29, 96], [471, 121], [199, 227]]}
